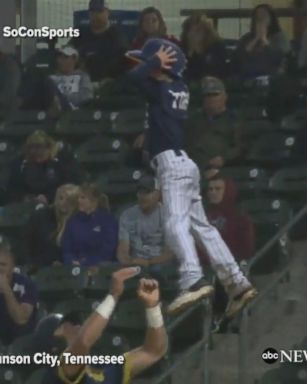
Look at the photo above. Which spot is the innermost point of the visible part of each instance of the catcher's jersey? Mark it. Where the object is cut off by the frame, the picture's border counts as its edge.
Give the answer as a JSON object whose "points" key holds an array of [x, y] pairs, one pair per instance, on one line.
{"points": [[106, 374]]}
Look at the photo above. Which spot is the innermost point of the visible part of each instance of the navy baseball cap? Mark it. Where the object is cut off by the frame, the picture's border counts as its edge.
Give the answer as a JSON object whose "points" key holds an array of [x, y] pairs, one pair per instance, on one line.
{"points": [[97, 5]]}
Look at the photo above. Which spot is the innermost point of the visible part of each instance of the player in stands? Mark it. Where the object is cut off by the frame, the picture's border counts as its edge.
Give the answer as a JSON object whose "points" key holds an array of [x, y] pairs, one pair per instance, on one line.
{"points": [[159, 76]]}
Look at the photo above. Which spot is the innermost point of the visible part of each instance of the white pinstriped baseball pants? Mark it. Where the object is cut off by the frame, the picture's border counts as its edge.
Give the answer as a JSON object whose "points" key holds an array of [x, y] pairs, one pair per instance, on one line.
{"points": [[179, 181]]}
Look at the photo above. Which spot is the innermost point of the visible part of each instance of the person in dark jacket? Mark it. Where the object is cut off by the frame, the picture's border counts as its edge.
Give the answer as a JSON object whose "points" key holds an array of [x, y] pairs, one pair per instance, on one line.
{"points": [[18, 299], [204, 49], [91, 235], [101, 45], [151, 25], [41, 169], [214, 137], [10, 76], [45, 228], [262, 49]]}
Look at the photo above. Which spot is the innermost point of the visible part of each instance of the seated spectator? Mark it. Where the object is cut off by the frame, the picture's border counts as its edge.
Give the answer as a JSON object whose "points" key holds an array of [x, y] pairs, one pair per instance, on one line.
{"points": [[151, 25], [262, 50], [74, 86], [90, 236], [214, 138], [18, 299], [43, 166], [141, 237], [101, 45], [45, 228], [204, 49], [10, 76], [236, 228]]}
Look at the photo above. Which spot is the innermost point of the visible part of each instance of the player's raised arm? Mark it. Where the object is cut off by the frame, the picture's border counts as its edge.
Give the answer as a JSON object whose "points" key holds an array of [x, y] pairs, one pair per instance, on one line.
{"points": [[94, 326], [156, 340], [152, 58]]}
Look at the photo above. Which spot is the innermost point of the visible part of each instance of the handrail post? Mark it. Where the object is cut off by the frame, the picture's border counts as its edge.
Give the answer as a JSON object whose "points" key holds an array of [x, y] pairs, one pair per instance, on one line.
{"points": [[243, 348], [207, 320]]}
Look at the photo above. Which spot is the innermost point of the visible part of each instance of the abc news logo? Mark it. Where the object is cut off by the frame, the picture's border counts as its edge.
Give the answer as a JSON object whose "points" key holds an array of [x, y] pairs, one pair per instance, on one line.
{"points": [[271, 356]]}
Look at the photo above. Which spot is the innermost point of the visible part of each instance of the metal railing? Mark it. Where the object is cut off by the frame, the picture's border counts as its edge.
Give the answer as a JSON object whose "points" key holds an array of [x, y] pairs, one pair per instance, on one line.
{"points": [[201, 345], [243, 337]]}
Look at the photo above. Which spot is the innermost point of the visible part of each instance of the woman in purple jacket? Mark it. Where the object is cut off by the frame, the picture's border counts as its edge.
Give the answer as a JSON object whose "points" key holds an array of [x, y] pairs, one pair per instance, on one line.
{"points": [[91, 235]]}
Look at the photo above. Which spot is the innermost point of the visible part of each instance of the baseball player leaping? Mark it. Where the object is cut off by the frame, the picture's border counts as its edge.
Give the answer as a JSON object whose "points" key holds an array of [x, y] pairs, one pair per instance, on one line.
{"points": [[159, 76]]}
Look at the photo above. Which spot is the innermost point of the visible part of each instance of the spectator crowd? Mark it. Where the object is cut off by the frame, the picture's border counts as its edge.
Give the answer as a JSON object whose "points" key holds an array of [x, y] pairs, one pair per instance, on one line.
{"points": [[73, 222]]}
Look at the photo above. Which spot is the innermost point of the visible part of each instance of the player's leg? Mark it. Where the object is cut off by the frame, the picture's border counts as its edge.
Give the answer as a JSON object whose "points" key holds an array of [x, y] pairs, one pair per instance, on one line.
{"points": [[176, 183], [235, 283]]}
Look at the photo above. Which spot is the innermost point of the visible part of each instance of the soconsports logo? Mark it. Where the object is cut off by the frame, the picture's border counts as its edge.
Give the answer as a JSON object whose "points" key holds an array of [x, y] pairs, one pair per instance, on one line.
{"points": [[45, 31]]}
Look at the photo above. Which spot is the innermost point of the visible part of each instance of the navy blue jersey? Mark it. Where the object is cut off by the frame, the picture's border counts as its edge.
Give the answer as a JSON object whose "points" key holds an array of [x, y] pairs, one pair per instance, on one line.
{"points": [[168, 103], [108, 374]]}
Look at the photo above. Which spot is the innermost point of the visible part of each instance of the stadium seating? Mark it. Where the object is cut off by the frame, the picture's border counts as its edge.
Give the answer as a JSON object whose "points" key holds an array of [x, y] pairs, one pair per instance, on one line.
{"points": [[268, 216], [293, 122], [272, 150], [7, 152], [10, 376], [78, 124], [60, 283], [36, 377], [102, 151], [20, 346], [15, 214], [23, 123], [250, 181], [120, 184], [291, 184], [128, 121]]}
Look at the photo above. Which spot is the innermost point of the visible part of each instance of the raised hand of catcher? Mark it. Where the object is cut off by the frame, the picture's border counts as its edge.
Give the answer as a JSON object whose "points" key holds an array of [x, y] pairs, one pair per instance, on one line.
{"points": [[148, 291], [119, 277]]}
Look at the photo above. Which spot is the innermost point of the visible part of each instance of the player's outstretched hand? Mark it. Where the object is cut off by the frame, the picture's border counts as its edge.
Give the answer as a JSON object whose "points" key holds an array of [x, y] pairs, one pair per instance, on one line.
{"points": [[167, 57], [119, 277], [148, 292]]}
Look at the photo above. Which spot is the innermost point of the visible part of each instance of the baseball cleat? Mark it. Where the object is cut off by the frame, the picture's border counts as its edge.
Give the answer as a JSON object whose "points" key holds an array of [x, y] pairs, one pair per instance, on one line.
{"points": [[200, 290], [239, 302]]}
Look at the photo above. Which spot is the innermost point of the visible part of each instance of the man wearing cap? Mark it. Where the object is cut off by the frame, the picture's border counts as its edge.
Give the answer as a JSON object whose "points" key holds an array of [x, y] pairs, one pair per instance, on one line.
{"points": [[64, 335], [73, 85], [101, 45], [10, 76], [141, 237], [214, 138], [18, 298]]}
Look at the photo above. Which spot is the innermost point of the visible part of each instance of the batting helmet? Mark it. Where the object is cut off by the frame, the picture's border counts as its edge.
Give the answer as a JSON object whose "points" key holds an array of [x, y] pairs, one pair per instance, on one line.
{"points": [[152, 46]]}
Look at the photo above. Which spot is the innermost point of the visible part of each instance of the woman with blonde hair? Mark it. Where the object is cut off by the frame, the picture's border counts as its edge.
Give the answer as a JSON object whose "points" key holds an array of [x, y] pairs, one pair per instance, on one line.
{"points": [[204, 48], [46, 226], [91, 235], [43, 166]]}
